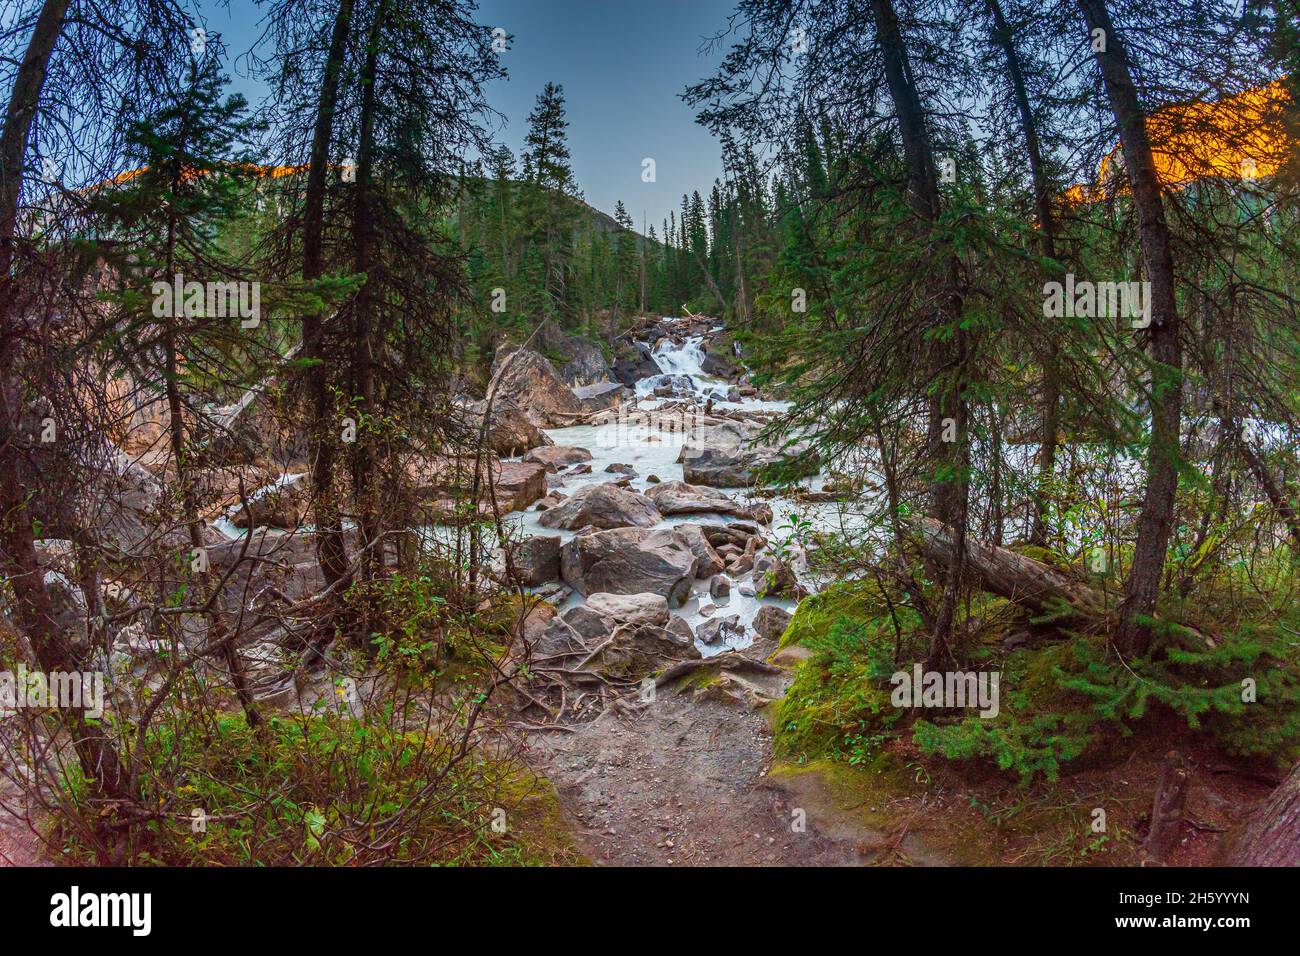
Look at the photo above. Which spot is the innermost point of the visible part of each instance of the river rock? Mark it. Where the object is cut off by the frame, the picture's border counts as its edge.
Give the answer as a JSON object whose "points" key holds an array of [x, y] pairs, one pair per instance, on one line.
{"points": [[630, 561], [710, 563], [444, 486], [554, 457], [602, 506], [602, 396], [589, 625], [771, 621], [679, 498], [716, 467], [719, 586], [630, 608], [528, 380], [634, 363], [720, 629], [678, 625], [774, 578], [537, 560], [730, 454], [636, 652]]}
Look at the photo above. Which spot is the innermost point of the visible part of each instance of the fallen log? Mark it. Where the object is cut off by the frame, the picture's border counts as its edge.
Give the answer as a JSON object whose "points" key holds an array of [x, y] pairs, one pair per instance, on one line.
{"points": [[1030, 583], [1016, 577]]}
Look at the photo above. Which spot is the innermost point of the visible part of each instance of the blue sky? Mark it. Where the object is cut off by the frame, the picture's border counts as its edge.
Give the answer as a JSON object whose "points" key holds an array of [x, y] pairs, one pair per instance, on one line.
{"points": [[623, 65]]}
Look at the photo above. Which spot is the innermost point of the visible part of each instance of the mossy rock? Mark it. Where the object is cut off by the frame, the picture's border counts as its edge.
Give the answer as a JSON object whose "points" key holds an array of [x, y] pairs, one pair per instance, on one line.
{"points": [[855, 600]]}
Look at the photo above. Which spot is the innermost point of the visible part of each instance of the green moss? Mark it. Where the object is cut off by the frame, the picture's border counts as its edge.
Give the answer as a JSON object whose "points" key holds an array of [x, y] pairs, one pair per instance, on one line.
{"points": [[838, 705], [854, 600]]}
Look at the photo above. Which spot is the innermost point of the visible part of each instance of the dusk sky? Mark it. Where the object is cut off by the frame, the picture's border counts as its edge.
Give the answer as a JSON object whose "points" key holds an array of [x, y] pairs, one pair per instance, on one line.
{"points": [[623, 65]]}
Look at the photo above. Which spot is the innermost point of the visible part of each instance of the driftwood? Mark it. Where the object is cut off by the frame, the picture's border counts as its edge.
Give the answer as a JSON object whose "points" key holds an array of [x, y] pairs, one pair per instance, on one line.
{"points": [[1271, 837], [1029, 583], [1167, 808]]}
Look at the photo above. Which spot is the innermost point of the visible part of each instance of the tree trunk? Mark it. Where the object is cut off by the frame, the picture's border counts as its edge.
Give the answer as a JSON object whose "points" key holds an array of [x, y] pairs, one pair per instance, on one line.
{"points": [[1050, 427], [1167, 808], [34, 608], [366, 341], [950, 491], [323, 434], [1271, 837], [1156, 520]]}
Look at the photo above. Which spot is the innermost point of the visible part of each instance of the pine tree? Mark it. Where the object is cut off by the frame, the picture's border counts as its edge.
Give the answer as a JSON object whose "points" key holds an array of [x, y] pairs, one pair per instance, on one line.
{"points": [[549, 210]]}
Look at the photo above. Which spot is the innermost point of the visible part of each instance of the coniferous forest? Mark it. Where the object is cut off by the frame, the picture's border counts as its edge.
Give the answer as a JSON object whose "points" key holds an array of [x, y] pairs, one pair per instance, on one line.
{"points": [[386, 481]]}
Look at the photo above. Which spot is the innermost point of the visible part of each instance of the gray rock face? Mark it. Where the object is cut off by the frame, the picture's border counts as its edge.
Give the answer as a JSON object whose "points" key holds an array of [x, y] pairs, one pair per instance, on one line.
{"points": [[586, 362], [636, 362], [537, 560], [601, 395], [679, 498], [602, 506], [630, 561], [510, 432], [630, 608], [554, 457], [720, 356], [528, 381], [720, 586], [771, 621]]}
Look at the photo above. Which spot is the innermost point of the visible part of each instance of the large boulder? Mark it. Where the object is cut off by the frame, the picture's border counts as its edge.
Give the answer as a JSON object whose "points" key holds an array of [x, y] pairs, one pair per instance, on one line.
{"points": [[445, 485], [730, 454], [605, 505], [510, 431], [537, 560], [589, 625], [771, 621], [679, 498], [718, 467], [601, 396], [630, 561], [554, 457], [527, 380], [709, 562], [630, 608]]}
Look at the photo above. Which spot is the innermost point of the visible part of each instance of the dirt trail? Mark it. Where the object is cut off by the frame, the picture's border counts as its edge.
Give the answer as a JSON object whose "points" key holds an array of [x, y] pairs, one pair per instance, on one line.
{"points": [[683, 782]]}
